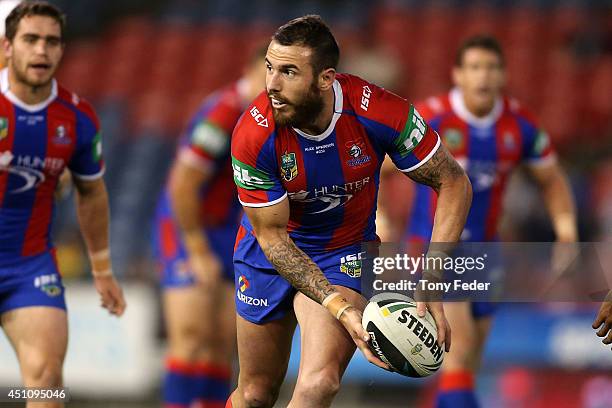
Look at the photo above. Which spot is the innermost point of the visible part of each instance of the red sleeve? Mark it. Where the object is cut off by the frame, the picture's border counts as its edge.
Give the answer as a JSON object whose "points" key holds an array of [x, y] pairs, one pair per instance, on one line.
{"points": [[254, 158], [397, 125]]}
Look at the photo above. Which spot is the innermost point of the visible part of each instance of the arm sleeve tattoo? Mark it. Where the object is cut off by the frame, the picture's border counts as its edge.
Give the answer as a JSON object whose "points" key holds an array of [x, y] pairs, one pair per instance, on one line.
{"points": [[440, 166], [299, 270]]}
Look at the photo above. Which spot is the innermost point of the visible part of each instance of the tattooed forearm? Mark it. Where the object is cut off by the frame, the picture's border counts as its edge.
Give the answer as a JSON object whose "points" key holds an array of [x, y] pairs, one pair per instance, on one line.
{"points": [[442, 165], [299, 270]]}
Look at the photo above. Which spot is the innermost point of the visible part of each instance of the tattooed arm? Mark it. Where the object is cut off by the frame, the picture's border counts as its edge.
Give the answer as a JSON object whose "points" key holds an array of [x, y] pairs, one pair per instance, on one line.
{"points": [[270, 225], [447, 178], [442, 173]]}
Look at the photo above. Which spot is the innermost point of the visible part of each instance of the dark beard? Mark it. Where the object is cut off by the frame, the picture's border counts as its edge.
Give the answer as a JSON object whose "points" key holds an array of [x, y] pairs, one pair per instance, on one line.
{"points": [[21, 77], [304, 113]]}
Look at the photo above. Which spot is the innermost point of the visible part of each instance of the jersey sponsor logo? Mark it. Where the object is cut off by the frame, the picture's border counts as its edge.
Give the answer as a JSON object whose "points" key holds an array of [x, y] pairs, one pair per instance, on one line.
{"points": [[30, 169], [4, 126], [356, 152], [413, 133], [210, 138], [326, 198], [250, 178], [243, 285], [259, 118], [365, 98], [289, 168], [351, 264]]}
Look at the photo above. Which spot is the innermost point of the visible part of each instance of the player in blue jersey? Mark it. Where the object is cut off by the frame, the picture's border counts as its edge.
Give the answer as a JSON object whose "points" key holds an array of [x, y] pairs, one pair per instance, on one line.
{"points": [[44, 129], [306, 157], [490, 136], [196, 223]]}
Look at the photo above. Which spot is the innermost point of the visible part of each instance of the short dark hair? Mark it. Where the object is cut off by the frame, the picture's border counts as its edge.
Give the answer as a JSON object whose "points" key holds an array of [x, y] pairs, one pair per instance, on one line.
{"points": [[485, 42], [33, 8], [312, 32]]}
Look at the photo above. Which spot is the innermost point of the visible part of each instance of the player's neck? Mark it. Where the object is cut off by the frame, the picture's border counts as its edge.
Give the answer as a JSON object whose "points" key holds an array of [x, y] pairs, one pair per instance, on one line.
{"points": [[30, 95], [321, 123], [477, 110]]}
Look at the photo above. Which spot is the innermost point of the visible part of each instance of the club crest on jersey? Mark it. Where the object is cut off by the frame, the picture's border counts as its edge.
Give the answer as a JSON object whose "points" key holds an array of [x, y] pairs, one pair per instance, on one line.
{"points": [[509, 142], [61, 136], [3, 127], [356, 152], [289, 168], [453, 139]]}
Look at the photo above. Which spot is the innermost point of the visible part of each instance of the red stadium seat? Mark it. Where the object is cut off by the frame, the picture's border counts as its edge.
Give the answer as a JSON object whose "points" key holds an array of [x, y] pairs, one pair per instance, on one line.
{"points": [[79, 65], [153, 111]]}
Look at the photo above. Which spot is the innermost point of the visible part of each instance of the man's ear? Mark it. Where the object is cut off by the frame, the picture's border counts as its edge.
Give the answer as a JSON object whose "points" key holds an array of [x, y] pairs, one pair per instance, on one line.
{"points": [[456, 74], [7, 47], [326, 79]]}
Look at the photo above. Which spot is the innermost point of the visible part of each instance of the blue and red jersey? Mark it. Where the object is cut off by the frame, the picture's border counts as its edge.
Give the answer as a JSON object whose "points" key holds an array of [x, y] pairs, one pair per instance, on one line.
{"points": [[331, 179], [488, 149], [205, 145], [36, 143]]}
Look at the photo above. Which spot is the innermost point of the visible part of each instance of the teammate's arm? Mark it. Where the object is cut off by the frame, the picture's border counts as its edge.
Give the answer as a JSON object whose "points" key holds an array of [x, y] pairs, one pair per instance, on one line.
{"points": [[558, 198], [443, 174], [93, 215], [185, 184], [270, 227]]}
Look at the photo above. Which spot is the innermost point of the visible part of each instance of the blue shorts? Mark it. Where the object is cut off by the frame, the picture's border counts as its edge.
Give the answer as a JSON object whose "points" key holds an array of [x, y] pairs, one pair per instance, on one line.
{"points": [[31, 281], [171, 255], [262, 295]]}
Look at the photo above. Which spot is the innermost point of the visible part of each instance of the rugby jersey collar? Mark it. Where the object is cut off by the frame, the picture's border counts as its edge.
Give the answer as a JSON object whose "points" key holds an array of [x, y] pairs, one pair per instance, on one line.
{"points": [[337, 113], [4, 88], [458, 105]]}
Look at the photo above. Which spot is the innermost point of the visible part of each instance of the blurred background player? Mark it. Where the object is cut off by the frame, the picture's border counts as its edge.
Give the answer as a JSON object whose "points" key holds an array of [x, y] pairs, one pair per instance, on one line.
{"points": [[490, 135], [6, 6], [306, 160], [603, 320], [44, 129], [196, 224]]}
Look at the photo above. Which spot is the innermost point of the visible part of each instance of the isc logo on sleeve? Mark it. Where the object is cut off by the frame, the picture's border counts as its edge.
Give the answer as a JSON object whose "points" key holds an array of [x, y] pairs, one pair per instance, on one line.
{"points": [[259, 118], [365, 98]]}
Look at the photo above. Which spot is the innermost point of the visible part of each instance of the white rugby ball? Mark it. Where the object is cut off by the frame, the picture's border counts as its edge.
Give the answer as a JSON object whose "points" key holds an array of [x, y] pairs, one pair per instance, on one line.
{"points": [[401, 338]]}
